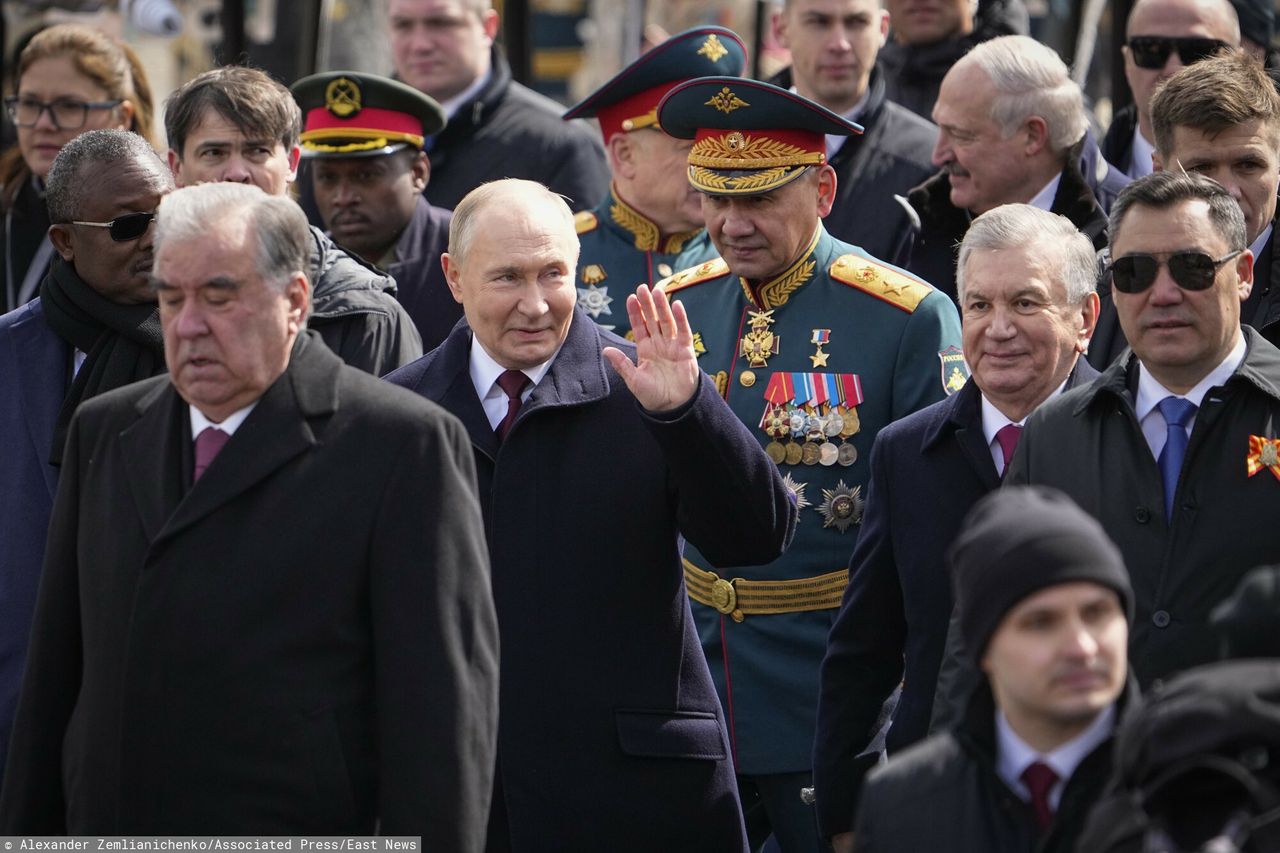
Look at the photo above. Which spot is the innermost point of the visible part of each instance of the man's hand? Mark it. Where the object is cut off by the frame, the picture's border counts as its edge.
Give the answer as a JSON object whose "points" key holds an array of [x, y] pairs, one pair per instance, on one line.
{"points": [[842, 842], [666, 373]]}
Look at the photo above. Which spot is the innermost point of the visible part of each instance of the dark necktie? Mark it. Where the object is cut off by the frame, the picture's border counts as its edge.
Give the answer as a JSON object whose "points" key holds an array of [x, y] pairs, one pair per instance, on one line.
{"points": [[1040, 779], [1177, 414], [512, 383], [208, 443], [1008, 436]]}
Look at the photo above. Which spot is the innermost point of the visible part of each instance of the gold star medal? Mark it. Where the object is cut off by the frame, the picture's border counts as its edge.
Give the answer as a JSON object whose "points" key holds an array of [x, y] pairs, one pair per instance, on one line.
{"points": [[820, 338]]}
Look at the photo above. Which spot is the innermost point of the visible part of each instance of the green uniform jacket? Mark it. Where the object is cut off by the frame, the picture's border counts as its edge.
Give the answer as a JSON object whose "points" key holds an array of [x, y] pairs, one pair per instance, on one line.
{"points": [[899, 338], [622, 249]]}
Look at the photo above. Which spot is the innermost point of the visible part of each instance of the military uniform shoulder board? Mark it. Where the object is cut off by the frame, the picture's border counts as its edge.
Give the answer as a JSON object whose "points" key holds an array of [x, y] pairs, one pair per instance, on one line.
{"points": [[894, 286], [585, 221], [694, 275]]}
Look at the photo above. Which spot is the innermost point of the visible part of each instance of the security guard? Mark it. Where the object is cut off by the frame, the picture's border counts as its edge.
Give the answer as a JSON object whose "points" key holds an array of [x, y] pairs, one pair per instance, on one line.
{"points": [[363, 136], [650, 223], [816, 345]]}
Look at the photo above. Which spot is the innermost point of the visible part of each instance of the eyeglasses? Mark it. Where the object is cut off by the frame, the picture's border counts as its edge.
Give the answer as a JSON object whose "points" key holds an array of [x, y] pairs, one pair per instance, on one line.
{"points": [[1191, 270], [67, 113], [1153, 51], [131, 226]]}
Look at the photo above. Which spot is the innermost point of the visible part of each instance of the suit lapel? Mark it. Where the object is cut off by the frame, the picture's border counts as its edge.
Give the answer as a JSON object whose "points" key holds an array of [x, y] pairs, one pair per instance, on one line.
{"points": [[966, 417], [577, 375], [446, 379], [276, 431], [153, 456], [41, 358]]}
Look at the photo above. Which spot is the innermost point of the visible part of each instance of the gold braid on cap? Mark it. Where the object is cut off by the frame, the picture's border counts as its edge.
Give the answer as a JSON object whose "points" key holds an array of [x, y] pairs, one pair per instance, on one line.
{"points": [[735, 150]]}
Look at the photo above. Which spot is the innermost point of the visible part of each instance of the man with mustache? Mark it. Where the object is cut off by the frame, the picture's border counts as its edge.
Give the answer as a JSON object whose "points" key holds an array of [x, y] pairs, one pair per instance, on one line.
{"points": [[1174, 447], [364, 137], [1043, 599], [1012, 129], [93, 328]]}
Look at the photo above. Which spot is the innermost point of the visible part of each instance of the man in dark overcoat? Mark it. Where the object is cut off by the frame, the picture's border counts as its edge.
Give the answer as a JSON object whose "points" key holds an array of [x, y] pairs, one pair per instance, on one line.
{"points": [[1173, 448], [266, 607], [592, 473], [1026, 280]]}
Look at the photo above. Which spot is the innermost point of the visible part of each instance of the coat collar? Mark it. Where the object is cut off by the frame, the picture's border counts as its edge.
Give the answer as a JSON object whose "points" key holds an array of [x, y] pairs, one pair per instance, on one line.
{"points": [[277, 430], [43, 361], [1261, 368], [643, 232], [774, 292], [577, 377], [420, 234]]}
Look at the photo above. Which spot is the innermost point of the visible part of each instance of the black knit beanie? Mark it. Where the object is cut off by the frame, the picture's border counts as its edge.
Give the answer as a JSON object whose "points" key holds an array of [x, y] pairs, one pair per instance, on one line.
{"points": [[1019, 540]]}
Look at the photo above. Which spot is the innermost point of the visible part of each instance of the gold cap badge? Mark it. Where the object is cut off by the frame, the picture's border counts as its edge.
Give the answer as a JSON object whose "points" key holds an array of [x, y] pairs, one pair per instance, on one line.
{"points": [[342, 97]]}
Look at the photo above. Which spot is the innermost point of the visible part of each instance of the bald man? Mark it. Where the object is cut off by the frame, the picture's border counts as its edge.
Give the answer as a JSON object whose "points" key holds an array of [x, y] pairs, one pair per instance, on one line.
{"points": [[1161, 37]]}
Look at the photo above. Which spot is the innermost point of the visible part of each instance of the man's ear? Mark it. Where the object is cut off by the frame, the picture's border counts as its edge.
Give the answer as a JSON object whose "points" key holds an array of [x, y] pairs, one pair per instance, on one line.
{"points": [[826, 189], [60, 237], [489, 20], [451, 274], [622, 155], [1037, 132], [295, 157], [175, 166], [1088, 321], [420, 168], [298, 292]]}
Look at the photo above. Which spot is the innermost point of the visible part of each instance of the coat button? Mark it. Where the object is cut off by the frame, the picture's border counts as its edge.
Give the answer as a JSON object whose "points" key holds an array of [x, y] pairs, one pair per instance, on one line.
{"points": [[1160, 618], [1142, 515]]}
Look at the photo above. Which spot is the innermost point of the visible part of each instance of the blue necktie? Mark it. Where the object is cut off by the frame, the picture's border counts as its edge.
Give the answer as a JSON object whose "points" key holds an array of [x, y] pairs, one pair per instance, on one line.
{"points": [[1177, 414]]}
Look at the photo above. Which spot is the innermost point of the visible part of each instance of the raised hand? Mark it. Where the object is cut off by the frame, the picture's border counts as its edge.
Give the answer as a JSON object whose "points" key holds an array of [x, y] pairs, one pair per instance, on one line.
{"points": [[666, 373]]}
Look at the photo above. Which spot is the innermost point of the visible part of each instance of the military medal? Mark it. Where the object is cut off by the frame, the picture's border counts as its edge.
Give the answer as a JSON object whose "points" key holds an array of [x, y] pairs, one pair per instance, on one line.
{"points": [[1264, 452], [847, 454], [794, 453], [797, 492], [759, 344], [841, 507], [820, 337], [810, 455], [776, 452], [828, 454]]}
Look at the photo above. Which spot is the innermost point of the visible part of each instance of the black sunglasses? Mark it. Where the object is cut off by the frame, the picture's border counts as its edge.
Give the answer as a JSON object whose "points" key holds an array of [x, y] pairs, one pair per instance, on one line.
{"points": [[1153, 51], [131, 226], [1191, 270]]}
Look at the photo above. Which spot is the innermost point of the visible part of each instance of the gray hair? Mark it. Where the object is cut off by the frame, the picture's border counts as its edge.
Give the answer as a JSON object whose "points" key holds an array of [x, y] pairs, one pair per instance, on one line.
{"points": [[1030, 79], [65, 188], [1162, 190], [1066, 252], [462, 227], [283, 236]]}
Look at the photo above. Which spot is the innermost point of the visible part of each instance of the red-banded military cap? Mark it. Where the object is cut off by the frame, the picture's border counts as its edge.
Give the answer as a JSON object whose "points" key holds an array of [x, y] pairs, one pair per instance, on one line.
{"points": [[749, 137], [630, 100], [353, 114]]}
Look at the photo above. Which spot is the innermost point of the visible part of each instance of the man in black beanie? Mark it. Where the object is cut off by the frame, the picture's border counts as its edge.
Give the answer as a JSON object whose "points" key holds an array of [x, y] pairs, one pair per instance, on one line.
{"points": [[1043, 601]]}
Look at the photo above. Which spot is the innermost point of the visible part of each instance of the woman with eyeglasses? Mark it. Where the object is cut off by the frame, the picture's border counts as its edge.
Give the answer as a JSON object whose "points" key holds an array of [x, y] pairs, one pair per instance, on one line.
{"points": [[70, 79]]}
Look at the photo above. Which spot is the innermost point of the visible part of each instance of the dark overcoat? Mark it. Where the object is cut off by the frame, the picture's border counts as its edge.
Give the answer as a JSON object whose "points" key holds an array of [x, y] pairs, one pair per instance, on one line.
{"points": [[420, 284], [302, 642], [927, 471], [611, 736], [34, 373], [1088, 444]]}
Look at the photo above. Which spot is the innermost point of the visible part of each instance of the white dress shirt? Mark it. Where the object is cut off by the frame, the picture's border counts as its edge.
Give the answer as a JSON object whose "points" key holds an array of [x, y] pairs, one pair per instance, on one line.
{"points": [[1044, 198], [229, 424], [1142, 151], [994, 420], [1014, 755], [1151, 392], [484, 376]]}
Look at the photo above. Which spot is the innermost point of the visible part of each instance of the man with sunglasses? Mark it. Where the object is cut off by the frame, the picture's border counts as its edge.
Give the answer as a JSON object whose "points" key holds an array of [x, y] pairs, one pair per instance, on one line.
{"points": [[93, 328], [1220, 118], [1174, 448], [1163, 36]]}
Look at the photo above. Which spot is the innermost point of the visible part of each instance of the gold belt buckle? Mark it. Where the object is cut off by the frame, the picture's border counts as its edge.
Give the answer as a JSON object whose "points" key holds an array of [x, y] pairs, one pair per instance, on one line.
{"points": [[723, 596]]}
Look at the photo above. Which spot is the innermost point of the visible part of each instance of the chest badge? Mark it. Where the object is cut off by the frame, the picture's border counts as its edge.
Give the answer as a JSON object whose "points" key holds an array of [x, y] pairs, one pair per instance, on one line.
{"points": [[759, 344]]}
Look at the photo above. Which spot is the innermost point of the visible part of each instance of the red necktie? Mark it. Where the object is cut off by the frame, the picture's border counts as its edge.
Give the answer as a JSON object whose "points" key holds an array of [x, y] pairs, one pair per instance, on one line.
{"points": [[208, 443], [1008, 436], [1040, 779], [513, 383]]}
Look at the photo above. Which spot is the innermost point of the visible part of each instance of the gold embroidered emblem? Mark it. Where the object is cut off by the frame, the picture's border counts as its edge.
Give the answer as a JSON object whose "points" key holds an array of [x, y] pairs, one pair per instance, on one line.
{"points": [[712, 49], [644, 234], [593, 274], [722, 382], [730, 150], [342, 97], [735, 141], [726, 101], [759, 344], [699, 348]]}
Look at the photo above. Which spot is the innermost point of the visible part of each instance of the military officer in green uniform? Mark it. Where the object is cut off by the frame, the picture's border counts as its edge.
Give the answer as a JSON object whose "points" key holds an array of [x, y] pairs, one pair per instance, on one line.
{"points": [[650, 223], [816, 345]]}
